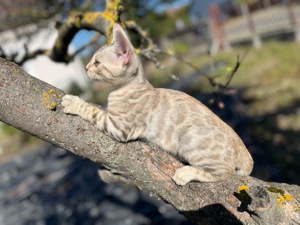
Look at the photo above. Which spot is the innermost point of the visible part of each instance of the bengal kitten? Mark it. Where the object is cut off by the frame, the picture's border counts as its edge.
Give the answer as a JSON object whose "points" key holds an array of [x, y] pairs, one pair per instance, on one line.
{"points": [[173, 120]]}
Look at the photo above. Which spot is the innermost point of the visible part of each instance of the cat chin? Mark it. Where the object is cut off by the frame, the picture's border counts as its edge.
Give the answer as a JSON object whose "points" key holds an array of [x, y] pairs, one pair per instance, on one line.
{"points": [[100, 79], [94, 77]]}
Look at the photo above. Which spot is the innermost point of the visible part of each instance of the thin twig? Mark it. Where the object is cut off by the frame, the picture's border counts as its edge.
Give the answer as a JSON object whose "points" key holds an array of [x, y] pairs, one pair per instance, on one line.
{"points": [[151, 50], [30, 55], [86, 5], [219, 87], [235, 69], [93, 40], [195, 67], [2, 53]]}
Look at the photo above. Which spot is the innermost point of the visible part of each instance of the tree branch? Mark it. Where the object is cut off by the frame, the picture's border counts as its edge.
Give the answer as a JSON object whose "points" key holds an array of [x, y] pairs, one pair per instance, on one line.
{"points": [[77, 20], [34, 107]]}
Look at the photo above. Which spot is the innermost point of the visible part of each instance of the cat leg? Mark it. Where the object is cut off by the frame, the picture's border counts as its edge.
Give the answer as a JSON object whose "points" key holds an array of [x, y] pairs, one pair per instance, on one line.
{"points": [[97, 116], [76, 106], [186, 174]]}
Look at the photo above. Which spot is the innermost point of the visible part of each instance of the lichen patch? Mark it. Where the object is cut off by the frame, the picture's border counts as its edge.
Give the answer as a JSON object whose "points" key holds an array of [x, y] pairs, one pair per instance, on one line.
{"points": [[283, 198], [51, 98], [242, 187]]}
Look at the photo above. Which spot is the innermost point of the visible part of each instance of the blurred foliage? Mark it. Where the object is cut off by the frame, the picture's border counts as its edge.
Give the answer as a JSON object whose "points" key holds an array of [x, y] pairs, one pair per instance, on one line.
{"points": [[75, 89], [19, 12], [180, 47], [158, 23], [149, 14], [8, 131], [14, 14], [13, 140]]}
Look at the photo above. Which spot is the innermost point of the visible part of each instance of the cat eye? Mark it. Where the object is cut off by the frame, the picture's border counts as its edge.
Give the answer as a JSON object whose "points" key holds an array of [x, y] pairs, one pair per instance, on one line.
{"points": [[96, 63]]}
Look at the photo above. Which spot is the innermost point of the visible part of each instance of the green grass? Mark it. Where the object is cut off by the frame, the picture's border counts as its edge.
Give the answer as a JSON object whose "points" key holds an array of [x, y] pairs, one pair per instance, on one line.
{"points": [[12, 141], [276, 60], [271, 73]]}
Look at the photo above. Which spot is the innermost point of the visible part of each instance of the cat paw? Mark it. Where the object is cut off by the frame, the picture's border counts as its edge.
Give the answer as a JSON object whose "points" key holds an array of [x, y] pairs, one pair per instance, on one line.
{"points": [[71, 104], [183, 176]]}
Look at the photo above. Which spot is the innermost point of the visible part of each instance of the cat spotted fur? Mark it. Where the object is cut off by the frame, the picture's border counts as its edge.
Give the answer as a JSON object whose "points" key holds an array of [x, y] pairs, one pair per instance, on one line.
{"points": [[173, 120]]}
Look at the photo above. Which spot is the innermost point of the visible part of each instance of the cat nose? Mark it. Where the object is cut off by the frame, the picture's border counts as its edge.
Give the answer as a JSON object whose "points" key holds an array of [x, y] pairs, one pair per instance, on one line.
{"points": [[87, 66]]}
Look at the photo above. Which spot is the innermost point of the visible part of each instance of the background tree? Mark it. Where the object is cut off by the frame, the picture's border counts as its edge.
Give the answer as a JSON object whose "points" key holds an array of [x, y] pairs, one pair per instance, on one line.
{"points": [[23, 106]]}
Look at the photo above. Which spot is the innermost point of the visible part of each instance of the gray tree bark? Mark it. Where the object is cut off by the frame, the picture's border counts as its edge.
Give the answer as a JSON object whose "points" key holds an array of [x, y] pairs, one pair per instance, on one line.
{"points": [[34, 107]]}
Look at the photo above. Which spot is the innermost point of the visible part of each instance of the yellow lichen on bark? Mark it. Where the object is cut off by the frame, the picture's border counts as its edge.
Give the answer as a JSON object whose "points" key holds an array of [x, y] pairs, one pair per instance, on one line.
{"points": [[111, 10], [242, 187], [81, 20], [110, 14], [288, 197], [108, 33], [90, 17], [283, 199], [280, 200], [58, 43], [77, 21], [50, 96], [51, 105], [296, 207]]}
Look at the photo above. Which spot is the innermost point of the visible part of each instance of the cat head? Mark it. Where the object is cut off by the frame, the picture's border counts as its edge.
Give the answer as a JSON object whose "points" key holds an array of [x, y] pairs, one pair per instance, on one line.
{"points": [[116, 62]]}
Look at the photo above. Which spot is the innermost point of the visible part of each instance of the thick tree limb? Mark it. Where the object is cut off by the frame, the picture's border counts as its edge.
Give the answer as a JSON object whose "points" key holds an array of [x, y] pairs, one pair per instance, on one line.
{"points": [[97, 21], [76, 20], [34, 107]]}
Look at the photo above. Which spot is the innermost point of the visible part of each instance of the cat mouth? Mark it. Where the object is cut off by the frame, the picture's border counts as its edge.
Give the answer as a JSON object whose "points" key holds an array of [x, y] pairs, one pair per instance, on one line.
{"points": [[93, 76], [96, 77]]}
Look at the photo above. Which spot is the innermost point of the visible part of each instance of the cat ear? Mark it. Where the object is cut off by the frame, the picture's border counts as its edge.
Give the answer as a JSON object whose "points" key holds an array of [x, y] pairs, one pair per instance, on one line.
{"points": [[121, 44]]}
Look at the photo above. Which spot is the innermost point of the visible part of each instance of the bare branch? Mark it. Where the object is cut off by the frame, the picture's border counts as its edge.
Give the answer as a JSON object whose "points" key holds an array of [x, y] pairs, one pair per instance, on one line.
{"points": [[2, 53], [218, 87], [234, 70], [93, 40], [30, 55], [86, 5], [147, 48]]}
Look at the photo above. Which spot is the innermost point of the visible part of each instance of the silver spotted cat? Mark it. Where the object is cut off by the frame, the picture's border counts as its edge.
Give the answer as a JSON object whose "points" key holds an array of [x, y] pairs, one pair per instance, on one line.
{"points": [[173, 120]]}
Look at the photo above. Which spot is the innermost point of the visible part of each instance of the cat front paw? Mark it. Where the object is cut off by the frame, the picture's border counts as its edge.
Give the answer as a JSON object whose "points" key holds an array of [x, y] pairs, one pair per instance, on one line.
{"points": [[71, 104], [182, 175]]}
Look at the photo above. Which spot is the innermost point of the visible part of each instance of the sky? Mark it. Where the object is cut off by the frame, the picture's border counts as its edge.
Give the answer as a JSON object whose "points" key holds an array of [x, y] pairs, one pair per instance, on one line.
{"points": [[199, 7], [82, 37], [176, 4]]}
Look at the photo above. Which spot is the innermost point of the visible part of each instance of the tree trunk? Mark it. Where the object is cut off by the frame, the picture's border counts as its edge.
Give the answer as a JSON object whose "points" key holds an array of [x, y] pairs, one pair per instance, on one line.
{"points": [[34, 107]]}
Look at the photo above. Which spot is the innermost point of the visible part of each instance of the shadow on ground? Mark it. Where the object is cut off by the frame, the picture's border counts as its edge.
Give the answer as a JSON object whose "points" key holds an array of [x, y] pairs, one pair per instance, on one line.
{"points": [[53, 186]]}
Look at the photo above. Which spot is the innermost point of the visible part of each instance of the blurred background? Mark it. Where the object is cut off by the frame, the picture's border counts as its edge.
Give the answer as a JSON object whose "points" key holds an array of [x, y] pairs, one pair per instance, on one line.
{"points": [[204, 42]]}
